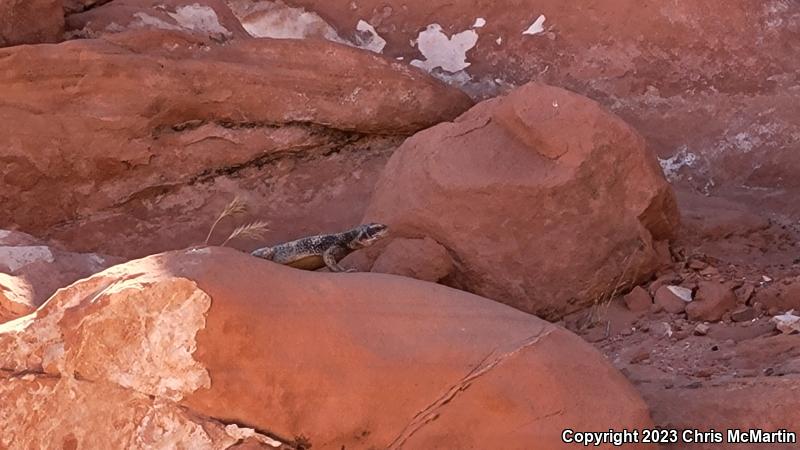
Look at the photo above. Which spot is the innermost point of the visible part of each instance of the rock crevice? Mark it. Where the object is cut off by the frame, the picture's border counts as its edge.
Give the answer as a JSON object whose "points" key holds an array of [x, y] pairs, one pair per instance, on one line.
{"points": [[431, 411]]}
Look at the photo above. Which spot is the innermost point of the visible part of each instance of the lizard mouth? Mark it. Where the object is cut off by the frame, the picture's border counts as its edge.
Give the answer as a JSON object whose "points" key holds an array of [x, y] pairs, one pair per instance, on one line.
{"points": [[374, 231]]}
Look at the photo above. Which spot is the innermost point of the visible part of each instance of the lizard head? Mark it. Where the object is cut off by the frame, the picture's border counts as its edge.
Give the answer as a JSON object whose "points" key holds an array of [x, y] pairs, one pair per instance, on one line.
{"points": [[369, 233], [265, 253]]}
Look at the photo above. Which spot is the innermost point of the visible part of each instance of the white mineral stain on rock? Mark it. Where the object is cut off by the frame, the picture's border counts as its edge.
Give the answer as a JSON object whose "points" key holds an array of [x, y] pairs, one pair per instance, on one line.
{"points": [[160, 319], [131, 338], [12, 329], [787, 323], [440, 51], [16, 258], [96, 415], [27, 338], [97, 261], [777, 14], [199, 18], [671, 166], [163, 427], [199, 251], [460, 78], [537, 26], [278, 21], [353, 96], [240, 433], [749, 137], [368, 38], [114, 27], [681, 292], [155, 358], [146, 20], [480, 22], [15, 295]]}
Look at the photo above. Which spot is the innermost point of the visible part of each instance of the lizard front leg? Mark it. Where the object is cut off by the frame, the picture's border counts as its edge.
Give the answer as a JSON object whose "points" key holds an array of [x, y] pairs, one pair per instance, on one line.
{"points": [[329, 257]]}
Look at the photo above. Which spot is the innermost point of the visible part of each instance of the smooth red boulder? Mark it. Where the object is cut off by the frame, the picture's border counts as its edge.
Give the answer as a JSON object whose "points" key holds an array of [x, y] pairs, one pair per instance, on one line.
{"points": [[711, 302], [667, 299], [204, 341], [638, 299], [546, 200], [421, 259], [781, 296]]}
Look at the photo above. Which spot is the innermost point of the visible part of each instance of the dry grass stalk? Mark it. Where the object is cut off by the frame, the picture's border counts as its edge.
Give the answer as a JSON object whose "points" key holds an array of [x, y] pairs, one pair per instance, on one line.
{"points": [[235, 208], [599, 310], [253, 230]]}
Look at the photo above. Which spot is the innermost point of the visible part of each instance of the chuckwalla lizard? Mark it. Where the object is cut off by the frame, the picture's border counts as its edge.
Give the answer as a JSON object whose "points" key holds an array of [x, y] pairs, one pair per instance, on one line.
{"points": [[316, 252]]}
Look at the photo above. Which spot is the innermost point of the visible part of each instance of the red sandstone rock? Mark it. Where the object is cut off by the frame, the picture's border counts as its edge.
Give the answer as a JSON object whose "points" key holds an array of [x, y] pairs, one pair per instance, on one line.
{"points": [[211, 19], [10, 238], [164, 129], [76, 6], [767, 403], [663, 254], [638, 299], [745, 293], [280, 21], [546, 200], [712, 300], [669, 301], [715, 218], [176, 341], [30, 21], [719, 108], [666, 279], [422, 259], [744, 314], [769, 353], [16, 297], [31, 271], [781, 296]]}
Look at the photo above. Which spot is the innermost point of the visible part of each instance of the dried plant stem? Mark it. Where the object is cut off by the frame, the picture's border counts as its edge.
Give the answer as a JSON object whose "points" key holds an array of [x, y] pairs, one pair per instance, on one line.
{"points": [[254, 230], [234, 208], [602, 304], [213, 226]]}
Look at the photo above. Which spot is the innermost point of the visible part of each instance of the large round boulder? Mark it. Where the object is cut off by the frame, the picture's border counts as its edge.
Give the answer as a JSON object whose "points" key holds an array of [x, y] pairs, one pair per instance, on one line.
{"points": [[546, 201], [205, 347]]}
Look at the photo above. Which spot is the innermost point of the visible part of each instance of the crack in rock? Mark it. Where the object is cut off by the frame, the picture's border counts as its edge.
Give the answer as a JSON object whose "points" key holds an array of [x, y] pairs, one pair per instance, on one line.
{"points": [[293, 153], [79, 7], [431, 413]]}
